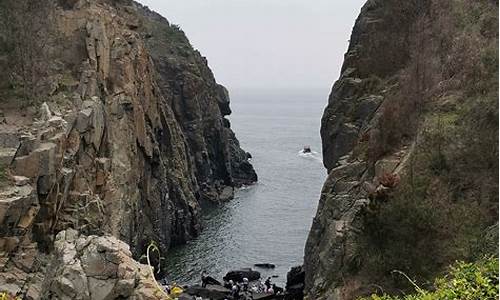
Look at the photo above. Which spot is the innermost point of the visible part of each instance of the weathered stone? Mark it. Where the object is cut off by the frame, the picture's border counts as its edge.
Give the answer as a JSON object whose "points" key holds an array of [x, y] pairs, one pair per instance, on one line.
{"points": [[101, 289], [20, 180], [9, 138], [58, 122], [15, 204], [45, 113], [42, 161], [96, 268], [28, 143], [83, 120], [8, 244], [27, 219], [6, 156], [238, 275], [385, 166]]}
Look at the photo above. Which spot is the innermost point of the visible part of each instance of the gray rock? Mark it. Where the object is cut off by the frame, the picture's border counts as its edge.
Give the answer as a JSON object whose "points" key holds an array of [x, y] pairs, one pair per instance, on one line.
{"points": [[16, 204], [45, 113], [83, 119], [96, 268], [20, 180], [238, 275]]}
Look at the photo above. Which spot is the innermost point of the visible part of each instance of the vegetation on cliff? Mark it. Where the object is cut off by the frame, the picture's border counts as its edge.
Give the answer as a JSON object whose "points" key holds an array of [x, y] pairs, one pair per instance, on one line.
{"points": [[448, 198], [465, 281], [411, 144]]}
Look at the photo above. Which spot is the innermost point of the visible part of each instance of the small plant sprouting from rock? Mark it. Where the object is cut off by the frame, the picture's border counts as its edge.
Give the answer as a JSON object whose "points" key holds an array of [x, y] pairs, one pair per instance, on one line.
{"points": [[152, 247]]}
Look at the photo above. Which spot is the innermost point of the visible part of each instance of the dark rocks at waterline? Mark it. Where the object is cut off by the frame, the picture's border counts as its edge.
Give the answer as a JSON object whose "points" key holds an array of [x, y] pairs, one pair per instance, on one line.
{"points": [[238, 275], [212, 281], [295, 276], [215, 292], [265, 266], [295, 280]]}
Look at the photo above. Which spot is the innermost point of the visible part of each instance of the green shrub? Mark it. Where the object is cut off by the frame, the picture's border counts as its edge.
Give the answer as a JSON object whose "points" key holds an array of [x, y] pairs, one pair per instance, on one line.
{"points": [[466, 281]]}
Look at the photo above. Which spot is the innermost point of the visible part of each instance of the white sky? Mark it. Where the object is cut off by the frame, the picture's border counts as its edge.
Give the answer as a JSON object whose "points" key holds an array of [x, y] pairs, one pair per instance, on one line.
{"points": [[285, 44]]}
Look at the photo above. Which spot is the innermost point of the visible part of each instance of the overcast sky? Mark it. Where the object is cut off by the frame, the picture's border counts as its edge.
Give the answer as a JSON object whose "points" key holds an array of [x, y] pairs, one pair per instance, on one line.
{"points": [[285, 44]]}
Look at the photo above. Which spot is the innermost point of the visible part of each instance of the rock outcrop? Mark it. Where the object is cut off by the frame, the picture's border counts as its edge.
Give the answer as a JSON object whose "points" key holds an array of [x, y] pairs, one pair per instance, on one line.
{"points": [[408, 187], [81, 267], [130, 138], [295, 283]]}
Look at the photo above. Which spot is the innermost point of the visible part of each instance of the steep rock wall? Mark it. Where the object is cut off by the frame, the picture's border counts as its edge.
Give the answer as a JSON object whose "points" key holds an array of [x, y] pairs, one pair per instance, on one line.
{"points": [[404, 136], [126, 138]]}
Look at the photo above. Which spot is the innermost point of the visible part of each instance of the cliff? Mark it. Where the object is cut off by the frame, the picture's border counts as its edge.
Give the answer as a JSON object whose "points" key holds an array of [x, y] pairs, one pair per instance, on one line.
{"points": [[113, 125], [410, 142]]}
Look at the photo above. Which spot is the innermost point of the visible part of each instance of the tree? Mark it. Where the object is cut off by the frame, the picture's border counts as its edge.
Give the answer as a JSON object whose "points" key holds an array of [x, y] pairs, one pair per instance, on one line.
{"points": [[26, 28]]}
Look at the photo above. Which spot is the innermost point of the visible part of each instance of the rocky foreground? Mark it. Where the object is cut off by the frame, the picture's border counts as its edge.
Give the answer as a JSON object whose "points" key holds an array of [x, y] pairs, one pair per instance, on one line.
{"points": [[112, 134]]}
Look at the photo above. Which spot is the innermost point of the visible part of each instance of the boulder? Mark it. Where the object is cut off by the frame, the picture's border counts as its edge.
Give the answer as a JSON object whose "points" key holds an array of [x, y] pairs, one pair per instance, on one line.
{"points": [[238, 275], [92, 267]]}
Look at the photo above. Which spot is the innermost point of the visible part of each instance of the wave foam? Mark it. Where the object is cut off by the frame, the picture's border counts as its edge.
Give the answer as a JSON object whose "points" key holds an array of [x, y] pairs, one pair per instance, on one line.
{"points": [[310, 155]]}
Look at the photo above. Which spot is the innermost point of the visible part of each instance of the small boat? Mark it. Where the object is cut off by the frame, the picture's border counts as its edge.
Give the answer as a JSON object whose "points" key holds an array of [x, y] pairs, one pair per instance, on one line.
{"points": [[307, 149]]}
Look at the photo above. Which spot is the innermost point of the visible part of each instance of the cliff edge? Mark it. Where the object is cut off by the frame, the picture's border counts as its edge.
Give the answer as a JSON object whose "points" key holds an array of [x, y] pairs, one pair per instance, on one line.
{"points": [[112, 125], [410, 142]]}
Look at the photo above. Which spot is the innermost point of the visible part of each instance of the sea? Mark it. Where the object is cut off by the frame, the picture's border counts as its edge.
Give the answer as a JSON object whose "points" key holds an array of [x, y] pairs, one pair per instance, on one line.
{"points": [[267, 222]]}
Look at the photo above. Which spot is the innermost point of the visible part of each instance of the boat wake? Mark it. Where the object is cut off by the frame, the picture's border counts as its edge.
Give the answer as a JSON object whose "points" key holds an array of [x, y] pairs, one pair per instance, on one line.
{"points": [[313, 155]]}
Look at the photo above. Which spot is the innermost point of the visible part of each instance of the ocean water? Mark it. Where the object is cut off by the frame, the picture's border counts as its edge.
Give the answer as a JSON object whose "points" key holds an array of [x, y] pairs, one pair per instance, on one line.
{"points": [[267, 222]]}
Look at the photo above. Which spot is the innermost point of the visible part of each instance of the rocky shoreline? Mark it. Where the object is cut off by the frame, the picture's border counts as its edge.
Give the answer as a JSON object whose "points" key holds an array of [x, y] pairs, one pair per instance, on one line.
{"points": [[249, 284]]}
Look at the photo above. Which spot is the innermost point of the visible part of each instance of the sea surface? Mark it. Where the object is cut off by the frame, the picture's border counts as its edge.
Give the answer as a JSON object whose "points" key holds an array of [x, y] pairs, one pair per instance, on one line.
{"points": [[267, 222]]}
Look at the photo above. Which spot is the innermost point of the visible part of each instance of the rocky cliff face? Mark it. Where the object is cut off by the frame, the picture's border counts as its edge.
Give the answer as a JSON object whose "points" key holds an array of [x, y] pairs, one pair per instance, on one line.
{"points": [[126, 136], [410, 141]]}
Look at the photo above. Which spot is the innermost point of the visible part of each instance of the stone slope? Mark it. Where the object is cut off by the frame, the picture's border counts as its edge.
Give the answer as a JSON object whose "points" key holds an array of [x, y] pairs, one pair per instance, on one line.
{"points": [[409, 185], [130, 140]]}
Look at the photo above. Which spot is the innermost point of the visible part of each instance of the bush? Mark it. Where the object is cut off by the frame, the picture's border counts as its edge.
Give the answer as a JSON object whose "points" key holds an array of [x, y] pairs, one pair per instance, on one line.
{"points": [[466, 281]]}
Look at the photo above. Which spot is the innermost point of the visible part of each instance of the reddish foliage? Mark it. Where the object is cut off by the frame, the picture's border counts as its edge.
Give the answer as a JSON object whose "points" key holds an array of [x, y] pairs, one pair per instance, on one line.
{"points": [[389, 180]]}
